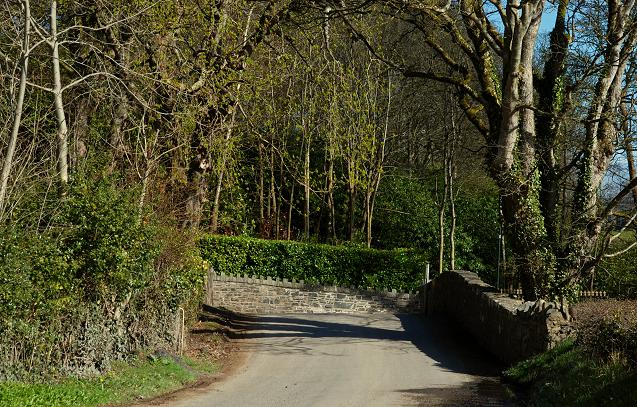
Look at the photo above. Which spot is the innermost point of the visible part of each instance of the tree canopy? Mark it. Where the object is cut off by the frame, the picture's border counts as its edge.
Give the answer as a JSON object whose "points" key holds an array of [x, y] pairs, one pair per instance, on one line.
{"points": [[385, 122]]}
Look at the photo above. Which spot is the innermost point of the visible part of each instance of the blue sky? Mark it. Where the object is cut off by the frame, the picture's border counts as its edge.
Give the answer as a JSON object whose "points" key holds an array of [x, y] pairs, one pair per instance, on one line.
{"points": [[548, 18]]}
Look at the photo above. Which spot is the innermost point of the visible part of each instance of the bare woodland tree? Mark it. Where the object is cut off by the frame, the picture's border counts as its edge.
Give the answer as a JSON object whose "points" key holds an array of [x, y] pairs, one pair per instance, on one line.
{"points": [[18, 103]]}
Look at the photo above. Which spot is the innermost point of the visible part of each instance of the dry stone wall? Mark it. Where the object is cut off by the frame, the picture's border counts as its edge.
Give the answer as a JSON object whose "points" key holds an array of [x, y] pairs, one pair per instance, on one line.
{"points": [[509, 328], [271, 296]]}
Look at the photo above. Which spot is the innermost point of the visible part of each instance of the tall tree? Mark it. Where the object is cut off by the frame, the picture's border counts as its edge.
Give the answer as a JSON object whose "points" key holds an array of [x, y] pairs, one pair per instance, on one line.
{"points": [[492, 68]]}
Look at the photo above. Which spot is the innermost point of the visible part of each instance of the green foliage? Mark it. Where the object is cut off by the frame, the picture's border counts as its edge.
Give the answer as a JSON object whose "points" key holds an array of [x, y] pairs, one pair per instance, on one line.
{"points": [[33, 277], [142, 379], [96, 286], [568, 376], [477, 235], [180, 271], [316, 263], [112, 251], [407, 216]]}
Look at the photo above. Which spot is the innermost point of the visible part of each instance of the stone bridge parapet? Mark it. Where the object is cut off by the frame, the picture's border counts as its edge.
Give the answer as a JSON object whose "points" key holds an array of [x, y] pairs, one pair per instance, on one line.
{"points": [[511, 329], [279, 296]]}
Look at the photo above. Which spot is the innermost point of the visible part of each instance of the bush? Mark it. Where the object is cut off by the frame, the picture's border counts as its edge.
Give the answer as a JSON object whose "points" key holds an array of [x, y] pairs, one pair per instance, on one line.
{"points": [[180, 271], [98, 285], [316, 263], [608, 329], [111, 250], [567, 375]]}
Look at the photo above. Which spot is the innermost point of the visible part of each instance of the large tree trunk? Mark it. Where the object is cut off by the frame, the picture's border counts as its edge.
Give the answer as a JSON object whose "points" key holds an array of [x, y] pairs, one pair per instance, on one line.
{"points": [[197, 196], [198, 173], [514, 165], [601, 133], [551, 104]]}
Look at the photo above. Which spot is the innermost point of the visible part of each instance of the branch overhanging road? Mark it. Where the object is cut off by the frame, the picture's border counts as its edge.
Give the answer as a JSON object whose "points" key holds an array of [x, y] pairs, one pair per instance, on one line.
{"points": [[354, 360]]}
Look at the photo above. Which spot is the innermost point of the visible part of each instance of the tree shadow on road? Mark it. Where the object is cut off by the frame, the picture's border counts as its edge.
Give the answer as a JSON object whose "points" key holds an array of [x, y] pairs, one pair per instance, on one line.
{"points": [[451, 349], [440, 340]]}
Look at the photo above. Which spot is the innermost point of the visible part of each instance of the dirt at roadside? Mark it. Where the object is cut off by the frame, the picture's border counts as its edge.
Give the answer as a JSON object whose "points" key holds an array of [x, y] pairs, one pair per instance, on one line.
{"points": [[212, 338]]}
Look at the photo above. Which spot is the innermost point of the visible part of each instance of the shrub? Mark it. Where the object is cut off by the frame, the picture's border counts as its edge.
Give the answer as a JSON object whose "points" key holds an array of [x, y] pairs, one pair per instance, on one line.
{"points": [[111, 250], [567, 375], [180, 270], [98, 285], [316, 263]]}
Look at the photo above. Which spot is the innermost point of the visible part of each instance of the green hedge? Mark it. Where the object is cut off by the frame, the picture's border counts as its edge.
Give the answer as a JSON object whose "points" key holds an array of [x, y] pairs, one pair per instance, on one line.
{"points": [[316, 263]]}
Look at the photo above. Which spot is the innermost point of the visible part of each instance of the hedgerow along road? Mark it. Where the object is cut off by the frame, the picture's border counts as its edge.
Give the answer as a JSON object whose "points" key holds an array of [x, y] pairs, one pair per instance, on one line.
{"points": [[354, 360]]}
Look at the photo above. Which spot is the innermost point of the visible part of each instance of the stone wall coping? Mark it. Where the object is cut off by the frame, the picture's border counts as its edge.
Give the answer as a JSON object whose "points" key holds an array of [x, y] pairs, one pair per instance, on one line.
{"points": [[285, 283], [514, 305]]}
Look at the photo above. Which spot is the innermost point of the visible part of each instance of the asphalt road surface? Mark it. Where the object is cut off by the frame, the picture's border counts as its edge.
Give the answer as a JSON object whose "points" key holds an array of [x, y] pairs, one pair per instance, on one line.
{"points": [[354, 360]]}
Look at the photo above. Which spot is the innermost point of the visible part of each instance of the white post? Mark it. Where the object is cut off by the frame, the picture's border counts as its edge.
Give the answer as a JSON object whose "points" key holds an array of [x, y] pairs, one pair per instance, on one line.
{"points": [[210, 287], [427, 273]]}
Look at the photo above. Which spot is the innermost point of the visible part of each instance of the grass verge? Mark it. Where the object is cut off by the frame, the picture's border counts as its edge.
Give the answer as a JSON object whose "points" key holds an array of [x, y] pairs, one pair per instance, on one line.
{"points": [[568, 376], [142, 379]]}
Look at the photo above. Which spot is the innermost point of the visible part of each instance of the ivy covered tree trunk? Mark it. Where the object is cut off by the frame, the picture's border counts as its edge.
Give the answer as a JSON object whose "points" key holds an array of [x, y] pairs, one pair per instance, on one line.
{"points": [[527, 235], [551, 101], [584, 250], [515, 164]]}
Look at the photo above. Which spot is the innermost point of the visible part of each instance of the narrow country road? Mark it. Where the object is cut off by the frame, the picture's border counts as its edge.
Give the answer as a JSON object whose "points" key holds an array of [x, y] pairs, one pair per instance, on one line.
{"points": [[354, 360]]}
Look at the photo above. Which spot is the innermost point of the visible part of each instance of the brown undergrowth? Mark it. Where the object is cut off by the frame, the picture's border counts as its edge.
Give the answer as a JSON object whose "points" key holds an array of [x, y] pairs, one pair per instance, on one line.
{"points": [[597, 368], [210, 337], [608, 329]]}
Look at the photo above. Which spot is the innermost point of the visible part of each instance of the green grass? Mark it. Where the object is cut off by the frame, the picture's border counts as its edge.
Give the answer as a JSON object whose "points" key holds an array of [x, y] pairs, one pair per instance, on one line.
{"points": [[568, 376], [139, 380]]}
